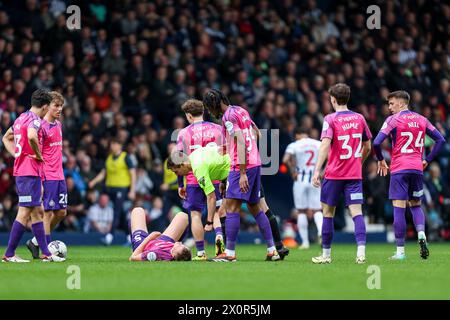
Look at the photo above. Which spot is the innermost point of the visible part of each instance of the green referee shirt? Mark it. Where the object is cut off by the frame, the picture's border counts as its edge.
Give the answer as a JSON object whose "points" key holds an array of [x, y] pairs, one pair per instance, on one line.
{"points": [[209, 165]]}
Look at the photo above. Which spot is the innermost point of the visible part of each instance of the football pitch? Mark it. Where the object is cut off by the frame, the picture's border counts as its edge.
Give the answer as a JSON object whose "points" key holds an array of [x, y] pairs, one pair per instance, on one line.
{"points": [[105, 273]]}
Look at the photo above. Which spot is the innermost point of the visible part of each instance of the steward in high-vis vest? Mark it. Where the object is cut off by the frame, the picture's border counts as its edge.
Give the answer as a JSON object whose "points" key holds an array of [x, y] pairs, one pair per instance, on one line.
{"points": [[120, 183]]}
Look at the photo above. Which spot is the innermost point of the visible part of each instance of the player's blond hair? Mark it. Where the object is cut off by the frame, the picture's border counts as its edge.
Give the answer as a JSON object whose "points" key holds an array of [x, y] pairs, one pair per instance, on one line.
{"points": [[57, 97]]}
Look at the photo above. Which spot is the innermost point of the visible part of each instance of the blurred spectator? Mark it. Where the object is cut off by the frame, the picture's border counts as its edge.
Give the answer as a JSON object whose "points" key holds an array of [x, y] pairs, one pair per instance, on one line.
{"points": [[158, 221], [100, 218], [75, 208], [5, 224], [375, 188], [143, 183]]}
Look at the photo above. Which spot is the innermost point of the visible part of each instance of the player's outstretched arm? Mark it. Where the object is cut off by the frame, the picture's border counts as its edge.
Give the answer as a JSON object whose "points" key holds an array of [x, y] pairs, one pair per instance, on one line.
{"points": [[33, 140], [136, 256], [383, 168], [211, 204], [377, 145], [258, 133], [289, 160], [324, 149], [242, 160], [8, 142], [367, 146], [439, 142]]}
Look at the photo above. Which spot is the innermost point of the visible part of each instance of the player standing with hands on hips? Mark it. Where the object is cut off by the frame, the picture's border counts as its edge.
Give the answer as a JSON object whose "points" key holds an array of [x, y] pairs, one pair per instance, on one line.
{"points": [[346, 142], [54, 183], [24, 141], [407, 130]]}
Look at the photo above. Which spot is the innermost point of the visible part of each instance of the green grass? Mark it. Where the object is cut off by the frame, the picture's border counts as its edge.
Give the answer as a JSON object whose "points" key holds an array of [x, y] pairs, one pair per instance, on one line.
{"points": [[106, 274]]}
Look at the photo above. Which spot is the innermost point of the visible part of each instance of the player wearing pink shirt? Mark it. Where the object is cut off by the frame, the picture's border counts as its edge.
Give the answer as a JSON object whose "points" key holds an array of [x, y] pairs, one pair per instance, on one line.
{"points": [[407, 130], [54, 183], [200, 134], [24, 141], [244, 180], [346, 143], [157, 246]]}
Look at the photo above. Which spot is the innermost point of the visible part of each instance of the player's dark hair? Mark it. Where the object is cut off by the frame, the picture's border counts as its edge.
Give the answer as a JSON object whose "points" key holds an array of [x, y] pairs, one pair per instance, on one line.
{"points": [[399, 94], [185, 255], [40, 98], [301, 130], [212, 101], [194, 107], [175, 159], [341, 92]]}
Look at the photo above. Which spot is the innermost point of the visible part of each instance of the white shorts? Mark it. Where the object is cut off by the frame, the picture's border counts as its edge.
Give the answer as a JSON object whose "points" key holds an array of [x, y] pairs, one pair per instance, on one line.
{"points": [[306, 196]]}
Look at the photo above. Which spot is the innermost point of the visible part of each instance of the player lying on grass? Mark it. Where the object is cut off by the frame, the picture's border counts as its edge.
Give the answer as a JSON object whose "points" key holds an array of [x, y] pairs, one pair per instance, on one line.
{"points": [[346, 143], [207, 165], [54, 183], [244, 178], [156, 246], [198, 134], [407, 130], [24, 141]]}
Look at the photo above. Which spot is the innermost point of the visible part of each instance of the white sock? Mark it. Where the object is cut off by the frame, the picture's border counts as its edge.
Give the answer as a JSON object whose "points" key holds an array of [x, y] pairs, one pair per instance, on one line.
{"points": [[230, 253], [34, 241], [326, 252], [400, 250], [421, 235], [318, 220], [219, 237], [302, 225], [200, 253], [271, 249], [361, 251]]}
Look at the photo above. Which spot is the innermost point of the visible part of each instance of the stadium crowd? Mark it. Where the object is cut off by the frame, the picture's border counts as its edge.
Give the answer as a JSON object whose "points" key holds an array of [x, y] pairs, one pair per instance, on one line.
{"points": [[132, 64]]}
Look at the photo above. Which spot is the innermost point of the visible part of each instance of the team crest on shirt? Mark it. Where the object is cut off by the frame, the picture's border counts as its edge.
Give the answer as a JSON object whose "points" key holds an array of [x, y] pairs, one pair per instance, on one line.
{"points": [[201, 182], [229, 126], [325, 126]]}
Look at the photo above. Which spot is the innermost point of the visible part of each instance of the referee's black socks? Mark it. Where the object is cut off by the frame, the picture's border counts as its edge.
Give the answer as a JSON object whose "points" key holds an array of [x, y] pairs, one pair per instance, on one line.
{"points": [[224, 232], [275, 229]]}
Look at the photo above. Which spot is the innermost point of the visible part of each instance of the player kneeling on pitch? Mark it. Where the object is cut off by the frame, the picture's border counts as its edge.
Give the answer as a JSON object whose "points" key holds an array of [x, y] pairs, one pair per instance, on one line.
{"points": [[156, 246]]}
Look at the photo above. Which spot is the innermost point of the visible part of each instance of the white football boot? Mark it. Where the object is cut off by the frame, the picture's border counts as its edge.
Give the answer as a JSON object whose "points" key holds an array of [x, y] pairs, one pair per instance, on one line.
{"points": [[321, 260], [15, 259], [52, 258], [361, 259]]}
